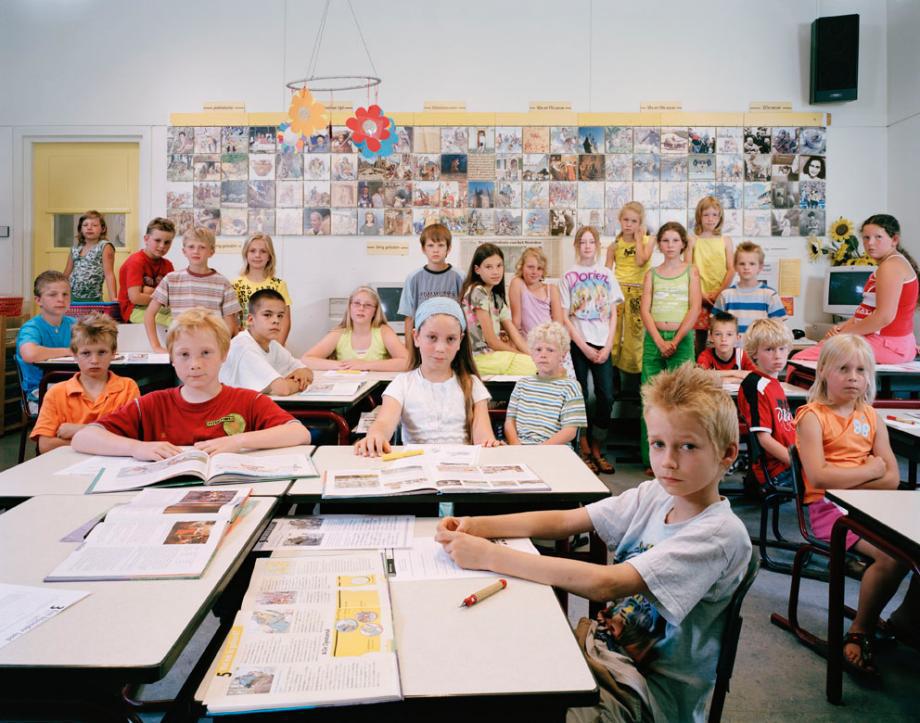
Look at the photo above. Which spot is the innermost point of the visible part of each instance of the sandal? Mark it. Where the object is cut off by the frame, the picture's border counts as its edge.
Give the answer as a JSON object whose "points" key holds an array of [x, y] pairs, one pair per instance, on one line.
{"points": [[589, 461], [865, 667], [603, 465]]}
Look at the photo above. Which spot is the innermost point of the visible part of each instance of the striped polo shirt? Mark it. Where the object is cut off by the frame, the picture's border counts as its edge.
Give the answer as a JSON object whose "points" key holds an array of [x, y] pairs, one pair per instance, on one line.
{"points": [[541, 407], [748, 305], [184, 290]]}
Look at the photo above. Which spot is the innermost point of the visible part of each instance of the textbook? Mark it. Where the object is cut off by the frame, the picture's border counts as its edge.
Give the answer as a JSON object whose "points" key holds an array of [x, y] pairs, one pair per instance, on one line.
{"points": [[312, 631], [158, 534], [223, 468]]}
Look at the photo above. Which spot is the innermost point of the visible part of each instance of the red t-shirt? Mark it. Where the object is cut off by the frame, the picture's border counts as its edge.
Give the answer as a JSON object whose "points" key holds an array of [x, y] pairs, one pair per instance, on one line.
{"points": [[762, 404], [708, 359], [165, 415], [139, 270]]}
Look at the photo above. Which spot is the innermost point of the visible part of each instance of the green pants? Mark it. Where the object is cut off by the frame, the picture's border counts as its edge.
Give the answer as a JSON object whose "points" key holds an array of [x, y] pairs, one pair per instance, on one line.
{"points": [[653, 363]]}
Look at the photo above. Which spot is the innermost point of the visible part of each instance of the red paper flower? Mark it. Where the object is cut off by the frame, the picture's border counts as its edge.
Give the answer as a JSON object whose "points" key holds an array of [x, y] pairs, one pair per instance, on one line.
{"points": [[369, 126]]}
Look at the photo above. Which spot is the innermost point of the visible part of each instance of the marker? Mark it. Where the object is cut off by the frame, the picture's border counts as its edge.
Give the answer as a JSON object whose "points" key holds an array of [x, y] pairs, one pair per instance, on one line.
{"points": [[484, 593], [900, 420], [390, 456]]}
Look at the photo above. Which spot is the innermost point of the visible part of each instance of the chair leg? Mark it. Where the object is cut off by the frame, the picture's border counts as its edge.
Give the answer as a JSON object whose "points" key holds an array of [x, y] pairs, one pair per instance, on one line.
{"points": [[23, 439]]}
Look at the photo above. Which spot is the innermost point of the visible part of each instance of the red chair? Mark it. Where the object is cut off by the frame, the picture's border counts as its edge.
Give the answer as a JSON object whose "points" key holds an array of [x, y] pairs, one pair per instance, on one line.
{"points": [[306, 416]]}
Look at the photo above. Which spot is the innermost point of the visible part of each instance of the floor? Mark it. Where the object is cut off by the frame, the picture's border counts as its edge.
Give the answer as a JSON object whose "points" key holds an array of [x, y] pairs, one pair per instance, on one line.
{"points": [[775, 678]]}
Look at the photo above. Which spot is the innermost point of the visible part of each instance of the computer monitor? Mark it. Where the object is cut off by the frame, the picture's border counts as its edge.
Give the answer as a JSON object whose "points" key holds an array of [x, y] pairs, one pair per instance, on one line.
{"points": [[843, 288], [389, 294]]}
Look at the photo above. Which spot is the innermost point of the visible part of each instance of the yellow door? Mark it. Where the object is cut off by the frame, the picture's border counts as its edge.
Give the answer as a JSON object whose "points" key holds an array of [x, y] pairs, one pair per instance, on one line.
{"points": [[71, 178]]}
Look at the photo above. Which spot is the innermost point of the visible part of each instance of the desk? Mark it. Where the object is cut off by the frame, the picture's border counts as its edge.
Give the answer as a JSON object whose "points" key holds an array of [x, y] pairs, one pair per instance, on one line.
{"points": [[792, 392], [151, 371], [37, 477], [890, 520], [890, 378], [904, 438]]}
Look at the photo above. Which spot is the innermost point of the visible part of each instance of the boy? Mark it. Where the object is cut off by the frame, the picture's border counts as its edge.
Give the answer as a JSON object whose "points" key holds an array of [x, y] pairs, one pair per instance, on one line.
{"points": [[91, 393], [202, 412], [143, 270], [679, 554], [762, 403], [47, 335], [748, 299], [730, 362], [435, 278], [256, 360], [195, 286], [547, 408]]}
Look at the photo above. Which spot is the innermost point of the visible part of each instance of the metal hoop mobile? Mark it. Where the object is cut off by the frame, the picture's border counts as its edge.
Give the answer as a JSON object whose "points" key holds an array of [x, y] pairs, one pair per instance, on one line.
{"points": [[370, 81]]}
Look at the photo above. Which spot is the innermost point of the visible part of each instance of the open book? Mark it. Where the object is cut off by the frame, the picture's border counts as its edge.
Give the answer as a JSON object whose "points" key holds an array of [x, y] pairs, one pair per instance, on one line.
{"points": [[159, 534], [312, 631], [223, 468]]}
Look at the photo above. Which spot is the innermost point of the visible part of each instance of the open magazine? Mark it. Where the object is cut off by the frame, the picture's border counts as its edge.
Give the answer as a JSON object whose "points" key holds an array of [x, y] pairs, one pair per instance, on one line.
{"points": [[223, 468], [312, 631], [159, 534]]}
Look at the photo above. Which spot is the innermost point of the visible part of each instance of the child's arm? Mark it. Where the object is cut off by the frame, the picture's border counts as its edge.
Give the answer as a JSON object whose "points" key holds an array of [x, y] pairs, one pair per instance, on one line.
{"points": [[611, 255], [603, 354], [484, 320], [481, 429], [693, 311], [108, 270], [399, 355], [729, 270], [563, 436], [517, 339], [510, 427], [824, 476], [408, 326], [377, 440], [644, 249], [150, 325], [317, 356], [645, 312], [285, 326], [547, 524], [282, 435], [514, 301], [555, 304], [46, 444], [881, 448], [33, 353], [888, 278], [773, 448], [94, 439], [232, 322], [68, 267]]}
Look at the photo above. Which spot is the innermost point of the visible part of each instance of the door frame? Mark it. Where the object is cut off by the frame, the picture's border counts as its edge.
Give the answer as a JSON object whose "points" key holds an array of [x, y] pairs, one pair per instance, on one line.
{"points": [[24, 138]]}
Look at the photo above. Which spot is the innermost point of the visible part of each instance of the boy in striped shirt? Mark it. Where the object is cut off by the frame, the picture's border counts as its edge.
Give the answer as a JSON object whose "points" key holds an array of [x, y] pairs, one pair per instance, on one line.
{"points": [[749, 300], [547, 408]]}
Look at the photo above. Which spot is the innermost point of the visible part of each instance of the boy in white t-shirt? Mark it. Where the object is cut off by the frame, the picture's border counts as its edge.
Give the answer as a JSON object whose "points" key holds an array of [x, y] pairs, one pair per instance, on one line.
{"points": [[256, 360], [679, 554]]}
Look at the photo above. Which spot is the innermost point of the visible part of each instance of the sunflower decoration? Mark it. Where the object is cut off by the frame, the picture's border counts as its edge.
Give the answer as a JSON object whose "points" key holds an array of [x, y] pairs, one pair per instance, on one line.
{"points": [[841, 230], [307, 114], [370, 128], [844, 249], [815, 250]]}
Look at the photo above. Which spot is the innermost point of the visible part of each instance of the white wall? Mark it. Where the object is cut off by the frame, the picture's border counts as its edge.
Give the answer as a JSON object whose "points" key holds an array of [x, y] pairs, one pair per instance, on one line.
{"points": [[86, 63]]}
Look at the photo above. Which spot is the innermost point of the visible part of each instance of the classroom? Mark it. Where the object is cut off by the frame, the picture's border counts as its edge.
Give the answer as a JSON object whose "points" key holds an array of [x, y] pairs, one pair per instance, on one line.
{"points": [[332, 264]]}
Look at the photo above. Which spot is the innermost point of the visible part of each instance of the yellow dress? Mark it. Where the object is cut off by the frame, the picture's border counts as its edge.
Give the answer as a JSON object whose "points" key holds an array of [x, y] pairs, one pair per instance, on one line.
{"points": [[709, 259], [627, 341]]}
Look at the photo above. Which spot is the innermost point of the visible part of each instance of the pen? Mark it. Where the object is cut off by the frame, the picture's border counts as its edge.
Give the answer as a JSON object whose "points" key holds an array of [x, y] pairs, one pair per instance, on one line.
{"points": [[390, 456], [900, 420], [484, 593]]}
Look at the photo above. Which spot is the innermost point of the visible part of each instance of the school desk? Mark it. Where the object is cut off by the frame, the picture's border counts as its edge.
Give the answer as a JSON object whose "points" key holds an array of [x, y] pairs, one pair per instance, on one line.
{"points": [[890, 379], [888, 519], [37, 477], [904, 438], [151, 371], [124, 631]]}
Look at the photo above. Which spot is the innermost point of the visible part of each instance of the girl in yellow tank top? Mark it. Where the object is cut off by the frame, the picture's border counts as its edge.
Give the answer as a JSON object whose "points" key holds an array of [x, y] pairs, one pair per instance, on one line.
{"points": [[712, 254]]}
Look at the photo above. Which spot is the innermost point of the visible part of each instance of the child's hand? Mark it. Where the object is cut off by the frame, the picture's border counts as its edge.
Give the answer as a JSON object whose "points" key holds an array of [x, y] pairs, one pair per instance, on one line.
{"points": [[641, 233], [301, 377], [468, 551], [876, 466], [373, 444], [492, 442], [68, 430], [455, 524], [157, 349], [351, 364], [220, 444], [155, 451], [603, 355]]}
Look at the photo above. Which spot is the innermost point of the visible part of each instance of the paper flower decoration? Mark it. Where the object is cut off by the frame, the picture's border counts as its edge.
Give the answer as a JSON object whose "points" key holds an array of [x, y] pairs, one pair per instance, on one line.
{"points": [[307, 114], [369, 126], [288, 140], [387, 145]]}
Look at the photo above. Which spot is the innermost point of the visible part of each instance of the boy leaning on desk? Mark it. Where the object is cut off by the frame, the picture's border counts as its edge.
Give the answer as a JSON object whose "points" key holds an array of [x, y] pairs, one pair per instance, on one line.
{"points": [[679, 554]]}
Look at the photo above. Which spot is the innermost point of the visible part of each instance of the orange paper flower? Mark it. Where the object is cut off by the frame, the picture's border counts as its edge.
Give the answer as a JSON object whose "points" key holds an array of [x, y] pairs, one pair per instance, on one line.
{"points": [[307, 114], [369, 126]]}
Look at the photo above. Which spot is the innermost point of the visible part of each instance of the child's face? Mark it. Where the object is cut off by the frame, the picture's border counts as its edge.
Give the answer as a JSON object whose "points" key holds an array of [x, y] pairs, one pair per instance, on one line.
{"points": [[54, 299], [587, 247], [877, 242], [709, 218], [157, 243], [94, 359], [196, 357], [531, 271], [265, 321], [438, 341], [748, 266], [257, 256], [491, 270], [362, 308], [196, 251], [724, 336], [629, 222], [848, 381], [771, 359], [548, 358], [91, 228], [671, 245], [435, 250]]}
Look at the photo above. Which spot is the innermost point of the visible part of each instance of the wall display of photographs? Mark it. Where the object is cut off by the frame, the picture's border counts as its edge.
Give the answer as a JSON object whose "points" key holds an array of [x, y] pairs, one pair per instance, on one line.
{"points": [[537, 181]]}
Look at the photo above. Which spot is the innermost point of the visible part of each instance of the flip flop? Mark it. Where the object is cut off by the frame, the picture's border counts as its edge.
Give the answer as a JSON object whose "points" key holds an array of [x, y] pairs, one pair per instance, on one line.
{"points": [[589, 461], [865, 668], [604, 466]]}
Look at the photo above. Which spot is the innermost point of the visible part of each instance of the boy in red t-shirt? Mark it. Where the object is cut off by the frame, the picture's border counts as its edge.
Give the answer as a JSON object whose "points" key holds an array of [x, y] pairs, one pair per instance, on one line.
{"points": [[202, 412], [729, 361], [762, 402], [143, 270]]}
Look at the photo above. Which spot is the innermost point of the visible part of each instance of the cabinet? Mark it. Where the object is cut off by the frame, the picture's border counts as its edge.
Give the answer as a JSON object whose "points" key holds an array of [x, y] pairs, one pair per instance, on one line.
{"points": [[11, 401]]}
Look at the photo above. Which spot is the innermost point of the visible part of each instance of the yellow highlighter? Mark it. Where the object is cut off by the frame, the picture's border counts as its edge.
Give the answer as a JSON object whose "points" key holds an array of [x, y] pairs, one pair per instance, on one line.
{"points": [[390, 456]]}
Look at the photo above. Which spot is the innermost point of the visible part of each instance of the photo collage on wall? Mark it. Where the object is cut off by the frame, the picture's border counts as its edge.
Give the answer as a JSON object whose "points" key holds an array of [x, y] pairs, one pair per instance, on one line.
{"points": [[497, 181]]}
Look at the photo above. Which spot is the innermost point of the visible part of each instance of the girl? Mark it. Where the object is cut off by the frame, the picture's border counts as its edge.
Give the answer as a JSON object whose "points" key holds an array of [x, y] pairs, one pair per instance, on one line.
{"points": [[259, 273], [843, 444], [487, 315], [363, 340], [712, 254], [532, 301], [629, 256], [91, 260], [589, 296], [442, 400], [885, 318], [670, 305]]}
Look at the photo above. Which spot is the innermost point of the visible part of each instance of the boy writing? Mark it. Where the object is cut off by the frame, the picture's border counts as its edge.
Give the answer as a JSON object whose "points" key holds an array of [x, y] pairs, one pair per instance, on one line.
{"points": [[194, 287], [91, 393], [762, 403], [435, 278], [202, 412], [143, 271], [47, 335], [679, 553], [256, 359], [748, 299], [724, 357], [547, 408]]}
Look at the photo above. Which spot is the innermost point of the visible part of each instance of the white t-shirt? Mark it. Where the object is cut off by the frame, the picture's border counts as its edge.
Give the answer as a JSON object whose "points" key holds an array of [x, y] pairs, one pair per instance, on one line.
{"points": [[249, 367], [589, 295], [433, 412], [691, 569]]}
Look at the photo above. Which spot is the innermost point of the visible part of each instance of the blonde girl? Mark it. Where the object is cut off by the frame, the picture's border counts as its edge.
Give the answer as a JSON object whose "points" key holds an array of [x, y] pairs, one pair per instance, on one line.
{"points": [[843, 444], [629, 256], [712, 254], [91, 260], [441, 400], [258, 272], [532, 300], [363, 340]]}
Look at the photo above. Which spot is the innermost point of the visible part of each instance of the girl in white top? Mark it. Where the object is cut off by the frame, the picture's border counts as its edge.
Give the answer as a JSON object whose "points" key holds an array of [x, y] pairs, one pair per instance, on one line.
{"points": [[442, 400]]}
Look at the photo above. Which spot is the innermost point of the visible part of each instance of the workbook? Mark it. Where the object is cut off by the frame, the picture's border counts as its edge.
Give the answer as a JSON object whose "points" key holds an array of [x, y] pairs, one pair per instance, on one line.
{"points": [[312, 631], [161, 533], [223, 468]]}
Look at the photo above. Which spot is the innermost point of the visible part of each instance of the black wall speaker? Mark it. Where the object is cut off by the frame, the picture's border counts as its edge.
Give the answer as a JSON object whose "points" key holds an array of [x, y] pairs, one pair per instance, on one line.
{"points": [[834, 58]]}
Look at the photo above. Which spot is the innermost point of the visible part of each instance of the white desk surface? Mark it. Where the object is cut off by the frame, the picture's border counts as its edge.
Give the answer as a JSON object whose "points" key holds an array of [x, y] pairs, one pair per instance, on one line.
{"points": [[366, 385], [906, 369], [122, 358], [36, 476], [901, 414], [792, 391], [898, 510], [121, 625]]}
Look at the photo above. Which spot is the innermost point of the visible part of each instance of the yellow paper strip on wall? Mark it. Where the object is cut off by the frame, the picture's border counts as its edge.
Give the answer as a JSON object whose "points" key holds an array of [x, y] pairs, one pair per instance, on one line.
{"points": [[224, 106], [619, 119], [771, 106], [784, 119], [701, 119], [387, 248], [445, 106], [454, 119], [790, 277], [657, 106], [550, 106]]}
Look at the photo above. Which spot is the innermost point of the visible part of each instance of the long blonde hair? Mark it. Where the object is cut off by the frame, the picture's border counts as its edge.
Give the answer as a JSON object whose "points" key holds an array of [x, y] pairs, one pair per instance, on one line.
{"points": [[635, 207], [836, 351], [378, 320], [270, 266], [705, 203]]}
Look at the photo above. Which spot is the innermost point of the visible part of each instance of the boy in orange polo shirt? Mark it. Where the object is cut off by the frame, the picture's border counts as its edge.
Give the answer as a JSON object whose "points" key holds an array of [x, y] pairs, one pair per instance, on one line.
{"points": [[89, 394]]}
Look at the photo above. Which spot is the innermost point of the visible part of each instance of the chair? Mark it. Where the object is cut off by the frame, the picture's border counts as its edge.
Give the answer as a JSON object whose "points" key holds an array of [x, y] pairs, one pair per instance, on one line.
{"points": [[305, 416], [729, 647], [48, 379], [28, 417], [497, 418], [772, 497]]}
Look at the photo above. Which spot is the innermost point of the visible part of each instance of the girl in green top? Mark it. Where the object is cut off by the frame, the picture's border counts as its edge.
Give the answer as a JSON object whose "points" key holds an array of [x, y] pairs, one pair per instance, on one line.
{"points": [[670, 305]]}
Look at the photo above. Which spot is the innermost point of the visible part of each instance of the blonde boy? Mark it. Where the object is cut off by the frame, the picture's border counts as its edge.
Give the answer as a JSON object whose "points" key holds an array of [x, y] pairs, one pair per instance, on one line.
{"points": [[202, 412], [679, 553], [547, 408], [749, 299], [196, 286], [91, 393]]}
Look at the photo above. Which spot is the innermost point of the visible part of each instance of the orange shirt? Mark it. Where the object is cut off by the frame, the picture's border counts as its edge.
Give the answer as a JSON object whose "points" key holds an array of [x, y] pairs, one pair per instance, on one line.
{"points": [[67, 403], [847, 441]]}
